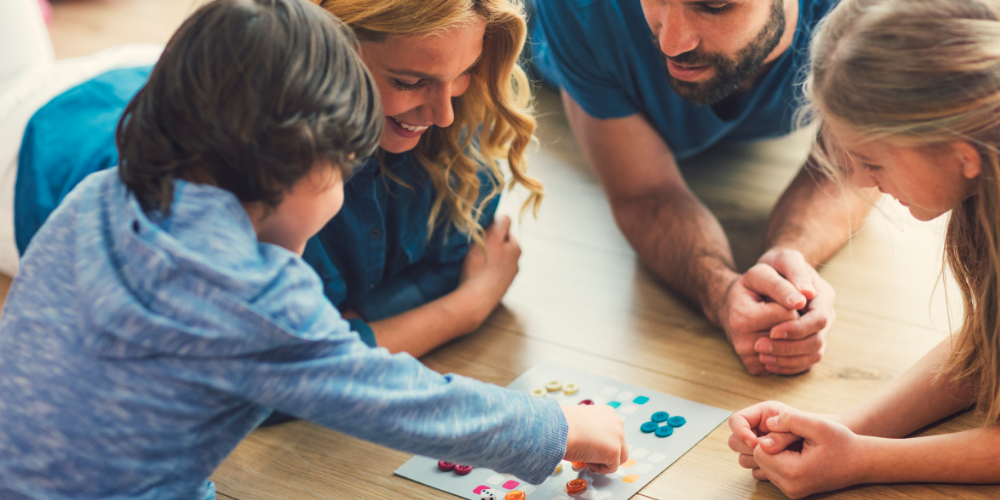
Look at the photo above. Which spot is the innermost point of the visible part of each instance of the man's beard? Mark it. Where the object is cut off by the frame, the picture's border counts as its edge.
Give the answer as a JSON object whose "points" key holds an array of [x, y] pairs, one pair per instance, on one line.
{"points": [[730, 74]]}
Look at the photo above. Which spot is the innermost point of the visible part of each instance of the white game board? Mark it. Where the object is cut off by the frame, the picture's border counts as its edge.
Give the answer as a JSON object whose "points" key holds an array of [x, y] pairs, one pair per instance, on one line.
{"points": [[649, 455]]}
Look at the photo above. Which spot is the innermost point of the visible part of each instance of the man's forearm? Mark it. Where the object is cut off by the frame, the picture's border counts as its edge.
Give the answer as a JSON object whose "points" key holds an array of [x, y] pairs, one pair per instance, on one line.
{"points": [[680, 240], [816, 216]]}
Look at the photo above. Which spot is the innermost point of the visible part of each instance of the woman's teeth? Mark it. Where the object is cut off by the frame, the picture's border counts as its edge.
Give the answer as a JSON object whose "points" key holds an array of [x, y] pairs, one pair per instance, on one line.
{"points": [[411, 128]]}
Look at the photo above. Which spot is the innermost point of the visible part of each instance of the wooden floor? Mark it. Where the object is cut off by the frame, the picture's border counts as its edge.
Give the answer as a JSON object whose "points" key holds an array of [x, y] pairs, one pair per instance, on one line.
{"points": [[582, 299]]}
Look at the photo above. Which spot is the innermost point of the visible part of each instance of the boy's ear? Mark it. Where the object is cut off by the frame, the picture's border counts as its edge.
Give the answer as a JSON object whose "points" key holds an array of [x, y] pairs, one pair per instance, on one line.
{"points": [[972, 163]]}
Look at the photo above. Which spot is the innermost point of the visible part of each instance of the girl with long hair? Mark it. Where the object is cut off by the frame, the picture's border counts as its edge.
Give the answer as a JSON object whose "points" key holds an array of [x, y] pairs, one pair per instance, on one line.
{"points": [[907, 93]]}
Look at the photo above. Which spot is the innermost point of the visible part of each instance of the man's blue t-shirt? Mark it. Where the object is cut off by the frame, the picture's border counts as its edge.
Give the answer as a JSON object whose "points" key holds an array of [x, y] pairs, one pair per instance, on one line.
{"points": [[602, 53]]}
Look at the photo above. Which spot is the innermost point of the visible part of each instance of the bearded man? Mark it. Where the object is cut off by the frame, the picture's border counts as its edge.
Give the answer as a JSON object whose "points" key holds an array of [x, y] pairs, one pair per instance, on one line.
{"points": [[646, 83]]}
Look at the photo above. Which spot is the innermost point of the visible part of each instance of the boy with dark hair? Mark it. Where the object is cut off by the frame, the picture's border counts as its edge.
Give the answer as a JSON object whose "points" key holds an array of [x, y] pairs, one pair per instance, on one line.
{"points": [[163, 310]]}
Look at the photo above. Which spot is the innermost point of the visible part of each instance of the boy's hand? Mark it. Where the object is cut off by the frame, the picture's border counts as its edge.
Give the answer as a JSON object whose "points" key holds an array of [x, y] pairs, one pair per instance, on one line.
{"points": [[486, 276], [831, 457], [596, 437]]}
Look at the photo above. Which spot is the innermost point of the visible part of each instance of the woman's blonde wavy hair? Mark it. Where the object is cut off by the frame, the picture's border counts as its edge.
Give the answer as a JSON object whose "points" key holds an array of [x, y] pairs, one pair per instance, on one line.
{"points": [[493, 118], [923, 73]]}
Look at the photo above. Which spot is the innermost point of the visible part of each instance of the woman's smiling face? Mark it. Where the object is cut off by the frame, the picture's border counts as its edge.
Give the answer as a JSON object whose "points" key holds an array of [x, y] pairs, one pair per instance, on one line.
{"points": [[417, 77]]}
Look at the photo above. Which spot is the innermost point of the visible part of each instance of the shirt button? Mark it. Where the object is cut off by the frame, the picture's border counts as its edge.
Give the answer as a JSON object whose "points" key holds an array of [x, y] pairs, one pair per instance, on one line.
{"points": [[376, 232]]}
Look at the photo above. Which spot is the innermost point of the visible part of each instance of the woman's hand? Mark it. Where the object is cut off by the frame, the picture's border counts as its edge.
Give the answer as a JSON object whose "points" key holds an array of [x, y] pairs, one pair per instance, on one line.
{"points": [[832, 457], [486, 275]]}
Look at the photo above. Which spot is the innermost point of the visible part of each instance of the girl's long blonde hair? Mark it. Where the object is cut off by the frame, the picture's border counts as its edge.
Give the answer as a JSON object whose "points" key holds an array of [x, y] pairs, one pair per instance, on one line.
{"points": [[493, 118], [925, 73]]}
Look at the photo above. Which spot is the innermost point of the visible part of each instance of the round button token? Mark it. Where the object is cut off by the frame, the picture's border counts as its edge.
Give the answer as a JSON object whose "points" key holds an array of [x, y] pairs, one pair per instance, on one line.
{"points": [[662, 432], [539, 393], [514, 495], [576, 486], [553, 386], [570, 388], [446, 466], [648, 427], [587, 402], [462, 470], [660, 416], [579, 465], [676, 421]]}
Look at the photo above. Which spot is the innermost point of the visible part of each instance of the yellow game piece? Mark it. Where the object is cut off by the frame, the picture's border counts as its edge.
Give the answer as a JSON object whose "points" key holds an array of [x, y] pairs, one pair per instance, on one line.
{"points": [[558, 469], [570, 388], [553, 386], [539, 393]]}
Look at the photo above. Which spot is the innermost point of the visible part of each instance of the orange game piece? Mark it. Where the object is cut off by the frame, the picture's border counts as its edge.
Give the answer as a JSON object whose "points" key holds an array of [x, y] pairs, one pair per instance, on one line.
{"points": [[514, 495], [579, 465], [576, 486]]}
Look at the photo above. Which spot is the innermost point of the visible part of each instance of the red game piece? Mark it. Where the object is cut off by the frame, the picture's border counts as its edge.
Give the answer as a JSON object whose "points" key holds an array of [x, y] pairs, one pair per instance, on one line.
{"points": [[514, 495], [445, 466], [587, 402], [462, 470], [576, 486], [579, 465]]}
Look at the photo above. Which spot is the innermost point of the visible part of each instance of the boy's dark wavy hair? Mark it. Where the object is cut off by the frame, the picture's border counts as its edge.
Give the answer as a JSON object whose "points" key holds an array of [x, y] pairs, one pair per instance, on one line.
{"points": [[249, 95]]}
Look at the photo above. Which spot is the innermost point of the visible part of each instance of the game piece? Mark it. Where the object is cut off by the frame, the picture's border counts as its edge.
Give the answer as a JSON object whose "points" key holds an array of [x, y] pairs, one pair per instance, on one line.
{"points": [[539, 393], [676, 421], [514, 495], [660, 416], [553, 386], [576, 486], [487, 494], [446, 466], [661, 432], [570, 388], [649, 455], [579, 465], [462, 470], [649, 427]]}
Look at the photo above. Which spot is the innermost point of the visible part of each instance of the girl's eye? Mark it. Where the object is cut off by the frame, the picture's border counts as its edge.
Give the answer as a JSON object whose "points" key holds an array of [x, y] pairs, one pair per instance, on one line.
{"points": [[401, 85], [715, 8], [869, 167]]}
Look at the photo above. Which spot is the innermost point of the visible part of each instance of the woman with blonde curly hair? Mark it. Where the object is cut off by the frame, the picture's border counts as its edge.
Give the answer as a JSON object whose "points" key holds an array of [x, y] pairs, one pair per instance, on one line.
{"points": [[908, 96], [396, 259]]}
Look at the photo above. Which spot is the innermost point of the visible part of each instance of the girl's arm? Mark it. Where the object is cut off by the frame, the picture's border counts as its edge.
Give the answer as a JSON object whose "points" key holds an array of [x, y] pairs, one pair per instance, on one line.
{"points": [[484, 281]]}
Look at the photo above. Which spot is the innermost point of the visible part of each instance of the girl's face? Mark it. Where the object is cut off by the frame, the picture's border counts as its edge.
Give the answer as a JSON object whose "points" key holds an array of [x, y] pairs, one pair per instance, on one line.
{"points": [[417, 76], [929, 181]]}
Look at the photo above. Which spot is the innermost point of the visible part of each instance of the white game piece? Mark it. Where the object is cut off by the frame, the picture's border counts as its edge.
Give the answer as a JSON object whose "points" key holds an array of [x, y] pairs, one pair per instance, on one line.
{"points": [[640, 453], [610, 391], [626, 396], [587, 495], [495, 479], [657, 457], [553, 386], [641, 468], [539, 393], [628, 409], [487, 494]]}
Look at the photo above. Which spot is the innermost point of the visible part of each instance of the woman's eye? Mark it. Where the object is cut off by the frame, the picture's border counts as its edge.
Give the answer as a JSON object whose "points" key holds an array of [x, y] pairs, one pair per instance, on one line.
{"points": [[401, 85], [869, 167]]}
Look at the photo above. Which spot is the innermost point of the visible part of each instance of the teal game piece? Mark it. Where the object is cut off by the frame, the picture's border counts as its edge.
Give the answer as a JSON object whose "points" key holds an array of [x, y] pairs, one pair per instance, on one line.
{"points": [[614, 404], [676, 421], [664, 431], [660, 416], [649, 427], [641, 400]]}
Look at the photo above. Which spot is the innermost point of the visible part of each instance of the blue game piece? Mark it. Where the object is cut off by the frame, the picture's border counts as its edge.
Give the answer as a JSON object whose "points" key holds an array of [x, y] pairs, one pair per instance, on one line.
{"points": [[614, 404], [660, 416], [676, 421], [664, 431], [641, 400], [649, 427]]}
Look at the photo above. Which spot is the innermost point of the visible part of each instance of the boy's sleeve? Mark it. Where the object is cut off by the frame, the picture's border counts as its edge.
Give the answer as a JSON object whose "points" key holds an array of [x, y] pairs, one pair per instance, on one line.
{"points": [[396, 401], [562, 52], [437, 273]]}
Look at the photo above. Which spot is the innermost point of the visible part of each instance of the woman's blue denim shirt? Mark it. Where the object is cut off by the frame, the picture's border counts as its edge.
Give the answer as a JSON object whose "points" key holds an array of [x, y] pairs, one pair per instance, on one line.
{"points": [[373, 257]]}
